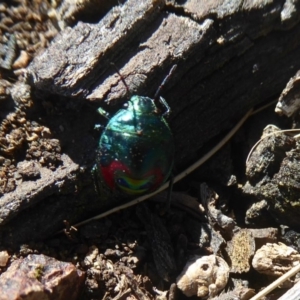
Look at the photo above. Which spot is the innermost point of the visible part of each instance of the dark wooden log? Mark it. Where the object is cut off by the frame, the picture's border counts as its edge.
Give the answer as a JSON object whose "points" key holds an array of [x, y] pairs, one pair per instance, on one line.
{"points": [[230, 57]]}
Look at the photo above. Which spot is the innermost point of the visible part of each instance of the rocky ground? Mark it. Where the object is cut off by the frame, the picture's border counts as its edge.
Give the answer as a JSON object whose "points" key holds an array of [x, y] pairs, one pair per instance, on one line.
{"points": [[224, 239]]}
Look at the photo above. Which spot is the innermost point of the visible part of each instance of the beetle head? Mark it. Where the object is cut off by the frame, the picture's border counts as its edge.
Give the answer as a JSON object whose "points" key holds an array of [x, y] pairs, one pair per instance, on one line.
{"points": [[140, 104]]}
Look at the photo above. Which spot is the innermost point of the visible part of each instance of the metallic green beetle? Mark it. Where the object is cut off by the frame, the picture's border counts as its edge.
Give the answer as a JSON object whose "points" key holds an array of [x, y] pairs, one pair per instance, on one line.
{"points": [[136, 149]]}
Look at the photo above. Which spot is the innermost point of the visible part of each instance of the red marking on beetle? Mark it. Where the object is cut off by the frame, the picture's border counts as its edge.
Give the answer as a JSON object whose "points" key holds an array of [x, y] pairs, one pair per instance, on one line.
{"points": [[115, 167], [108, 172]]}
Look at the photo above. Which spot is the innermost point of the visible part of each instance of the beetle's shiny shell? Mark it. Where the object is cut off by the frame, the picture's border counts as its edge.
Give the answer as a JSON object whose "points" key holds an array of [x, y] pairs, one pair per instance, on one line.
{"points": [[136, 149]]}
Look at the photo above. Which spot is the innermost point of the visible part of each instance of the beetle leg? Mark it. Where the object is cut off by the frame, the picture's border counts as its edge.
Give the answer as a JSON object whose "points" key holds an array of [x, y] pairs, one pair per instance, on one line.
{"points": [[168, 204], [98, 127], [166, 105], [96, 179], [103, 113]]}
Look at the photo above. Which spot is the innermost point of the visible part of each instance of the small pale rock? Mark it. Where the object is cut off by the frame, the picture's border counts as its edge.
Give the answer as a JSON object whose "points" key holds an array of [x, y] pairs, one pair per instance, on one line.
{"points": [[29, 170], [20, 92], [211, 201], [240, 293], [275, 259], [39, 277], [205, 276], [289, 100], [90, 257], [22, 61], [4, 257]]}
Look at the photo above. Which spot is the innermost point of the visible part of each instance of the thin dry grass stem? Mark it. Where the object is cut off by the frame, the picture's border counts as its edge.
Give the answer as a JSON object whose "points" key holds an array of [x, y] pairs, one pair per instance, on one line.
{"points": [[259, 109]]}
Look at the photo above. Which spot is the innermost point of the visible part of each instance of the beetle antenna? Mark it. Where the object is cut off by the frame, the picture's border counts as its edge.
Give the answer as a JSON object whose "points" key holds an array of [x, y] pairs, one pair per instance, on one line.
{"points": [[121, 77], [156, 96]]}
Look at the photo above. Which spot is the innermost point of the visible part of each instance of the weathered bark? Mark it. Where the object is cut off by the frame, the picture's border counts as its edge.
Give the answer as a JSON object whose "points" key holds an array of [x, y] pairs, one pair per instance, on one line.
{"points": [[231, 56]]}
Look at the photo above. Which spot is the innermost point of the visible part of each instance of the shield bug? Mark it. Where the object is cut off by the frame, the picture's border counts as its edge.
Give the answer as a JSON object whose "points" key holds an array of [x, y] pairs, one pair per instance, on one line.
{"points": [[136, 149]]}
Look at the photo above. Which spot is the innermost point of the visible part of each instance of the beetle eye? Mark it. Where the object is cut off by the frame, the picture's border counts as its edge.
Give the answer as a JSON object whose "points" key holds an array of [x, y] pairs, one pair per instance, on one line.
{"points": [[125, 105]]}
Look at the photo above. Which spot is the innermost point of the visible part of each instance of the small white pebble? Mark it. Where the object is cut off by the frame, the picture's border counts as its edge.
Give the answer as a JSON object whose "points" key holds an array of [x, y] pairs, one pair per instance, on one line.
{"points": [[4, 257]]}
